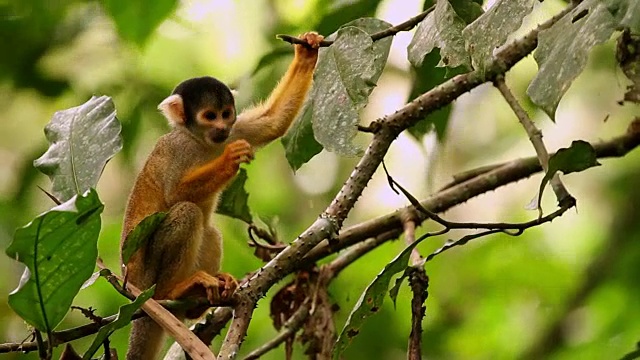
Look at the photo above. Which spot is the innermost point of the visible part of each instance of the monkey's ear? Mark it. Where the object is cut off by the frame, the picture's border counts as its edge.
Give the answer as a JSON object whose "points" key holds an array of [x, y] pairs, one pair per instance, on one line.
{"points": [[173, 109]]}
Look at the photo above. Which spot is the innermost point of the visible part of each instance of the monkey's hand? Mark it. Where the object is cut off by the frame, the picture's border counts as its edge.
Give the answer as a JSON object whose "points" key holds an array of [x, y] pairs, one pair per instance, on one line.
{"points": [[309, 51], [238, 152]]}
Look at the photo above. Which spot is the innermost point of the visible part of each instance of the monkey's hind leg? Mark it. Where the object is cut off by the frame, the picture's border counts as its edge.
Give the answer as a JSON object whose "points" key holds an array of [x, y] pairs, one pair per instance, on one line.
{"points": [[177, 246], [169, 257]]}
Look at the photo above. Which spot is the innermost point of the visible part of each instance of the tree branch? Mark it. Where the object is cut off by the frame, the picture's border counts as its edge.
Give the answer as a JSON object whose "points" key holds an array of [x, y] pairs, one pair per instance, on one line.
{"points": [[535, 136], [405, 26]]}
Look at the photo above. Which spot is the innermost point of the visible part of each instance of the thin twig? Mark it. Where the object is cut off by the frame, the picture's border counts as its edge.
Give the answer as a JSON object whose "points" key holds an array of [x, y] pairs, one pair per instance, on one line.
{"points": [[289, 329], [405, 26], [535, 136], [520, 227], [389, 226]]}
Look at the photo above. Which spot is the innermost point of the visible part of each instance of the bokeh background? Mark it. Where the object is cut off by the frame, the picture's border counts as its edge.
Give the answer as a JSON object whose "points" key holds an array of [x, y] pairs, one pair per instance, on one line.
{"points": [[566, 290]]}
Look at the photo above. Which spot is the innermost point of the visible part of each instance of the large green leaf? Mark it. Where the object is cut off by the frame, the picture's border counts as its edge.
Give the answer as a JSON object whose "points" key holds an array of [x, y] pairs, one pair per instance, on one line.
{"points": [[233, 201], [338, 13], [123, 319], [82, 140], [372, 299], [493, 28], [136, 20], [59, 249], [578, 157], [440, 29], [329, 118], [563, 51], [346, 74]]}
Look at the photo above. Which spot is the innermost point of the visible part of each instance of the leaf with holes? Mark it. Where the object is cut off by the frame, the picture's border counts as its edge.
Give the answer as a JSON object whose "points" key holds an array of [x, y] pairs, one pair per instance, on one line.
{"points": [[563, 51], [492, 29], [59, 249], [82, 139], [346, 74]]}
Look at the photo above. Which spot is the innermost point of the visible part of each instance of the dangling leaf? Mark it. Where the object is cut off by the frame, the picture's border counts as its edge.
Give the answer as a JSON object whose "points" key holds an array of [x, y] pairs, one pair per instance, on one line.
{"points": [[234, 199], [578, 157], [372, 299]]}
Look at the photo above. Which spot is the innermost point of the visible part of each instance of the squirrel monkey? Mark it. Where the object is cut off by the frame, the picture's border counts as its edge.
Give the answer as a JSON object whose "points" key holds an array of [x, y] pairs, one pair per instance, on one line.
{"points": [[184, 176]]}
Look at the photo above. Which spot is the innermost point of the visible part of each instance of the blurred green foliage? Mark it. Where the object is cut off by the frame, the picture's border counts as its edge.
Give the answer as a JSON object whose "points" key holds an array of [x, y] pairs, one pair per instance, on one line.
{"points": [[567, 290]]}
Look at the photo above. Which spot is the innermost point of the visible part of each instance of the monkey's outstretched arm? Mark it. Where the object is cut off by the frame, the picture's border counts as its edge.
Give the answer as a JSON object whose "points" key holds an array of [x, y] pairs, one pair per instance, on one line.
{"points": [[266, 122]]}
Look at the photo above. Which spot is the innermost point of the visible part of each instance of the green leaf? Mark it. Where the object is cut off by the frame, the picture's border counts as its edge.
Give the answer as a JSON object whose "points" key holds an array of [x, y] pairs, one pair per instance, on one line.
{"points": [[59, 249], [372, 299], [346, 74], [425, 78], [578, 157], [563, 51], [82, 140], [233, 201], [441, 29], [299, 143], [493, 28], [271, 57], [342, 12], [136, 20], [125, 313], [140, 235]]}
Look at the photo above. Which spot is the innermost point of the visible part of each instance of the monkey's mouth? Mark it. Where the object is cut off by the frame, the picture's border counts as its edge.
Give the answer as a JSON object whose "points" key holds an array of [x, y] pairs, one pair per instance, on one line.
{"points": [[218, 135]]}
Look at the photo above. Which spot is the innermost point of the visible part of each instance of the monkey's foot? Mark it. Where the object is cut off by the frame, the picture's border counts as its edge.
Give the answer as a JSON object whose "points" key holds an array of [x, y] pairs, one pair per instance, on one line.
{"points": [[228, 286], [217, 289]]}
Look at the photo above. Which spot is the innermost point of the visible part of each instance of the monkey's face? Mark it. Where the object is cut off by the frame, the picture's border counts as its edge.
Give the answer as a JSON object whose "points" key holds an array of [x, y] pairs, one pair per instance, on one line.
{"points": [[215, 124]]}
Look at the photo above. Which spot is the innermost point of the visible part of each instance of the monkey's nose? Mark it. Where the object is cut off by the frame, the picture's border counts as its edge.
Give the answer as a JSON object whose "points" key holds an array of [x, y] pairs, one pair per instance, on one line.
{"points": [[218, 135]]}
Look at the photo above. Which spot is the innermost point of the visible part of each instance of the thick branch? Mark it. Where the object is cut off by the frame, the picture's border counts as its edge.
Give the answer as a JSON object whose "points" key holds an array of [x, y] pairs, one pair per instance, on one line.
{"points": [[485, 179], [328, 225]]}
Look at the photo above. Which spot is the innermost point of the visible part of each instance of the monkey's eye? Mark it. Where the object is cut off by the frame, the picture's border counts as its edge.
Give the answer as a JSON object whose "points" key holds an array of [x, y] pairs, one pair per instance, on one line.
{"points": [[210, 115], [226, 114]]}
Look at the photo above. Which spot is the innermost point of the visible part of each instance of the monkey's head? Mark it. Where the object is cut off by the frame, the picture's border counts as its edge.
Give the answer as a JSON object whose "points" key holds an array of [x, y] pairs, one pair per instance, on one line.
{"points": [[204, 106]]}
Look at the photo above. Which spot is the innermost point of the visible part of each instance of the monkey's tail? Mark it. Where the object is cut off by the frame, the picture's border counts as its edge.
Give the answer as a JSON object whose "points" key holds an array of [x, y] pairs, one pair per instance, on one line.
{"points": [[146, 340]]}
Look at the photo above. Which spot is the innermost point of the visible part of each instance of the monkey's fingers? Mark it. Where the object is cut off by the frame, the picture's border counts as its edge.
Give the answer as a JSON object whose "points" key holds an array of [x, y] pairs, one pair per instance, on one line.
{"points": [[241, 156], [228, 285], [312, 38]]}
